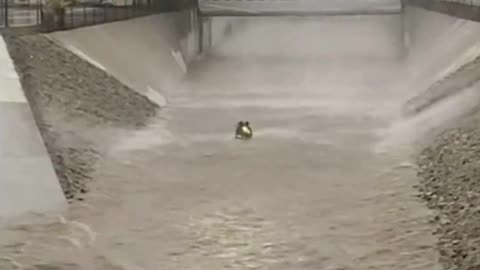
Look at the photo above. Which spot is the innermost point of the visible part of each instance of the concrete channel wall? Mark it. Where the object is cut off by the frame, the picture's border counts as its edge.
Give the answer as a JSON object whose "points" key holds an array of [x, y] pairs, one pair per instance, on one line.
{"points": [[159, 46], [440, 45]]}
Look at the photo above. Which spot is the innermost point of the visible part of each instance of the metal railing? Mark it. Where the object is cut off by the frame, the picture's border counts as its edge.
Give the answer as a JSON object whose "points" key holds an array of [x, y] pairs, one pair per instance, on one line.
{"points": [[19, 13], [35, 13]]}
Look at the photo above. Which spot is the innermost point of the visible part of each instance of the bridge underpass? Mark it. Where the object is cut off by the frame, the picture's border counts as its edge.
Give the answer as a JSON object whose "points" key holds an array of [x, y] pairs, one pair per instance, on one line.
{"points": [[297, 7], [229, 9]]}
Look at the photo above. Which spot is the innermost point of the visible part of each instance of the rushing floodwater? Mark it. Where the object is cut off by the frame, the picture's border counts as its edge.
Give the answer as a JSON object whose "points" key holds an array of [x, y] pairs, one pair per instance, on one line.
{"points": [[317, 188]]}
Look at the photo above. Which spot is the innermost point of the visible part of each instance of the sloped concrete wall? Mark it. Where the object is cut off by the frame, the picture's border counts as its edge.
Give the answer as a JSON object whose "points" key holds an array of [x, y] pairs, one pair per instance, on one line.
{"points": [[439, 45], [148, 54], [27, 179]]}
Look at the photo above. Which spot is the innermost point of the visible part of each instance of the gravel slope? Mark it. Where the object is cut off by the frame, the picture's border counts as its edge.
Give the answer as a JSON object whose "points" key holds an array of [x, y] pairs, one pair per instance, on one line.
{"points": [[77, 107], [449, 171]]}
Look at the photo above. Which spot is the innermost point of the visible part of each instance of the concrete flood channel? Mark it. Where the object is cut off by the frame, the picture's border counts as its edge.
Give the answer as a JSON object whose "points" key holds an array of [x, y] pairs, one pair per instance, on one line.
{"points": [[326, 183]]}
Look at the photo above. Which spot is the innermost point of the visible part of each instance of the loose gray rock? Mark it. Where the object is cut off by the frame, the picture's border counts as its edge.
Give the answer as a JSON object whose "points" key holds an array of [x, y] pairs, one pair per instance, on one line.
{"points": [[74, 104], [450, 184]]}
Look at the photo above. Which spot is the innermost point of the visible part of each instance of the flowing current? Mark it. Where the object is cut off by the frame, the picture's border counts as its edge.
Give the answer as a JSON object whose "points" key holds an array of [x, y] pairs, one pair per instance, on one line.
{"points": [[322, 185]]}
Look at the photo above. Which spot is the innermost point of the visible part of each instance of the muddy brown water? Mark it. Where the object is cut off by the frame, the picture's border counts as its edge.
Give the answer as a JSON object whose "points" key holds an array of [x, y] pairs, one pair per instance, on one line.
{"points": [[318, 187]]}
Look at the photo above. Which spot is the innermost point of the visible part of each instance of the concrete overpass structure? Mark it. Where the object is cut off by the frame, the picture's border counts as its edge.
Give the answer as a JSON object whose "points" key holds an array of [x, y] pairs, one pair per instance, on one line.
{"points": [[297, 7], [208, 9]]}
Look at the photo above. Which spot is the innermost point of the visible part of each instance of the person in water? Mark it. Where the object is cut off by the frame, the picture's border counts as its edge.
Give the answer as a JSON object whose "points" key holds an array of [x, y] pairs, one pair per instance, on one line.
{"points": [[243, 131], [238, 131]]}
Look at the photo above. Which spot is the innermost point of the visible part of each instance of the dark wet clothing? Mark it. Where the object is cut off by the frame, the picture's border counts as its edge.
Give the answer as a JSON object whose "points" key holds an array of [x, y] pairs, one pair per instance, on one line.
{"points": [[244, 131]]}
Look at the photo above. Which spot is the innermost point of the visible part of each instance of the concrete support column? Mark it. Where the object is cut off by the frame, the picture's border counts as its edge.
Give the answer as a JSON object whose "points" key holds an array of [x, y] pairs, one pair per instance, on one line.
{"points": [[199, 23]]}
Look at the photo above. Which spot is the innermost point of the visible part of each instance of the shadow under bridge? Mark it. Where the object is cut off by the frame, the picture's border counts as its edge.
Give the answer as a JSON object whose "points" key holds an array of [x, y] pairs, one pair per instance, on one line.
{"points": [[227, 8]]}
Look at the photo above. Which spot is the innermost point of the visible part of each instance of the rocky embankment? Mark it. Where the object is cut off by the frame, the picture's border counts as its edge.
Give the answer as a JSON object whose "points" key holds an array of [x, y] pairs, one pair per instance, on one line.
{"points": [[449, 169], [77, 107]]}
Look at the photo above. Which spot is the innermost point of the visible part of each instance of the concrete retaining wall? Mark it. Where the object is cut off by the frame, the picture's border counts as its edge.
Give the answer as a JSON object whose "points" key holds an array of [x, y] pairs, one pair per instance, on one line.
{"points": [[439, 46]]}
